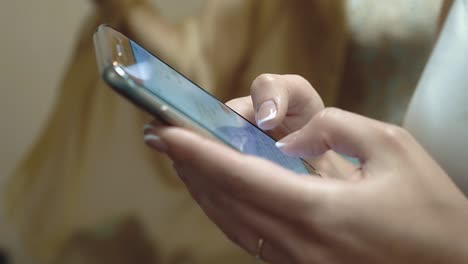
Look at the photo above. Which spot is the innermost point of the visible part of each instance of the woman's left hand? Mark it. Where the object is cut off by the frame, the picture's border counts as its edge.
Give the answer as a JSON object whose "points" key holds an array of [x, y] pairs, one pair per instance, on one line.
{"points": [[401, 207], [239, 193]]}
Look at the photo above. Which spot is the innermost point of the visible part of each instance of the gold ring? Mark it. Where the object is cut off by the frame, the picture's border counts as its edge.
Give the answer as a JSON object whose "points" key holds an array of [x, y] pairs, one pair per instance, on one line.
{"points": [[260, 243]]}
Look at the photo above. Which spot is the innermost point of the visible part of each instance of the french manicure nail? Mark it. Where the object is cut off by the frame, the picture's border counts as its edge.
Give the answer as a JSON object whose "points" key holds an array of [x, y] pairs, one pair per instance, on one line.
{"points": [[266, 112], [287, 140], [155, 142]]}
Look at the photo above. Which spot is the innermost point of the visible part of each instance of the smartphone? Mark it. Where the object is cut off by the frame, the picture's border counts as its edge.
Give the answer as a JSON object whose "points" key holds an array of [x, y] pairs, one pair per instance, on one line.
{"points": [[159, 89]]}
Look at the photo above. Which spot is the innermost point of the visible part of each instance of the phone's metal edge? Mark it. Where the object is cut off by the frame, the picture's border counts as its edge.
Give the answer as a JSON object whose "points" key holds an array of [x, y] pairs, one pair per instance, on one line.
{"points": [[150, 103], [103, 57], [118, 80]]}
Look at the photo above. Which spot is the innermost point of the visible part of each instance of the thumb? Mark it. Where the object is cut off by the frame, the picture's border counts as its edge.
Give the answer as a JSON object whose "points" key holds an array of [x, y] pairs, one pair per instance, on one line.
{"points": [[346, 133]]}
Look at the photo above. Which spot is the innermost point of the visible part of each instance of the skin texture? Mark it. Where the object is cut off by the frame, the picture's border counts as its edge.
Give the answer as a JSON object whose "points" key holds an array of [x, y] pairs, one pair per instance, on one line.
{"points": [[398, 206]]}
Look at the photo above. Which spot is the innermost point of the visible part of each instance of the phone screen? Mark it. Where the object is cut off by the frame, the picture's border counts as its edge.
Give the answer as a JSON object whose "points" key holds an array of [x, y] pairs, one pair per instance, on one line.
{"points": [[207, 111]]}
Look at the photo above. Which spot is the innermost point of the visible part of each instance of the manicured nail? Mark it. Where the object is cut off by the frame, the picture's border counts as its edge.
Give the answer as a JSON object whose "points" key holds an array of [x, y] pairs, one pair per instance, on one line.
{"points": [[147, 128], [155, 142], [266, 112], [287, 140]]}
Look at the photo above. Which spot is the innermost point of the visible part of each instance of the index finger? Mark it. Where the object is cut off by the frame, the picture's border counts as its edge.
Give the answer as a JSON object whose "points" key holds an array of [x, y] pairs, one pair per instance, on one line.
{"points": [[276, 96], [347, 133], [251, 179]]}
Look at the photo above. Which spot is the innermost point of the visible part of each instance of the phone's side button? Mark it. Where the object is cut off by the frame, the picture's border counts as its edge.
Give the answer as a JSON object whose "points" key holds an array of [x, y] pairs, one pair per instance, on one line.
{"points": [[164, 108]]}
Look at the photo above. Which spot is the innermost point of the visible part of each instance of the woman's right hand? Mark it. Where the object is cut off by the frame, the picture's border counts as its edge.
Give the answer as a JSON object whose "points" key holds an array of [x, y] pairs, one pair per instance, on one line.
{"points": [[283, 104]]}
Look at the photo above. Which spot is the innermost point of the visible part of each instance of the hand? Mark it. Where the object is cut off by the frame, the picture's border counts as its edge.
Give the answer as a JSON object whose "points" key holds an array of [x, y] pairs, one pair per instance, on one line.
{"points": [[282, 104], [399, 208], [403, 208]]}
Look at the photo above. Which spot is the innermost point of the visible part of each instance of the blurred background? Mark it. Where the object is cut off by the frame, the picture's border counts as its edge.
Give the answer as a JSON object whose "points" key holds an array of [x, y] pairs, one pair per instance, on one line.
{"points": [[38, 39], [378, 51], [37, 44]]}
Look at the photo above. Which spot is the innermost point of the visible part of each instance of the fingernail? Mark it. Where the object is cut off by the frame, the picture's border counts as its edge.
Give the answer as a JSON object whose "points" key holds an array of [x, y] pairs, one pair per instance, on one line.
{"points": [[266, 112], [155, 142], [287, 140], [147, 128]]}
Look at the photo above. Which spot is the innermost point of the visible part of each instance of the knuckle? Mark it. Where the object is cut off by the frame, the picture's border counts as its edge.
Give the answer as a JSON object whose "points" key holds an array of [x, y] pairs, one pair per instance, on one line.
{"points": [[263, 80], [328, 114], [300, 80], [394, 134]]}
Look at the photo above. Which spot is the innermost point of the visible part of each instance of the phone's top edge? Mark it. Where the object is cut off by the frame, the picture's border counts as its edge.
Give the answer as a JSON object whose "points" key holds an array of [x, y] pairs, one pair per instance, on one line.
{"points": [[102, 27], [101, 41], [104, 38]]}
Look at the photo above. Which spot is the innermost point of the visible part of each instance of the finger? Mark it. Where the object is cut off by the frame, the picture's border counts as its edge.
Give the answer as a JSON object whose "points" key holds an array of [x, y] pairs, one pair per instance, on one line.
{"points": [[276, 96], [283, 194], [277, 235], [243, 106], [330, 165], [234, 230], [245, 225], [239, 222], [148, 127], [204, 195], [252, 179], [346, 133], [198, 187]]}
